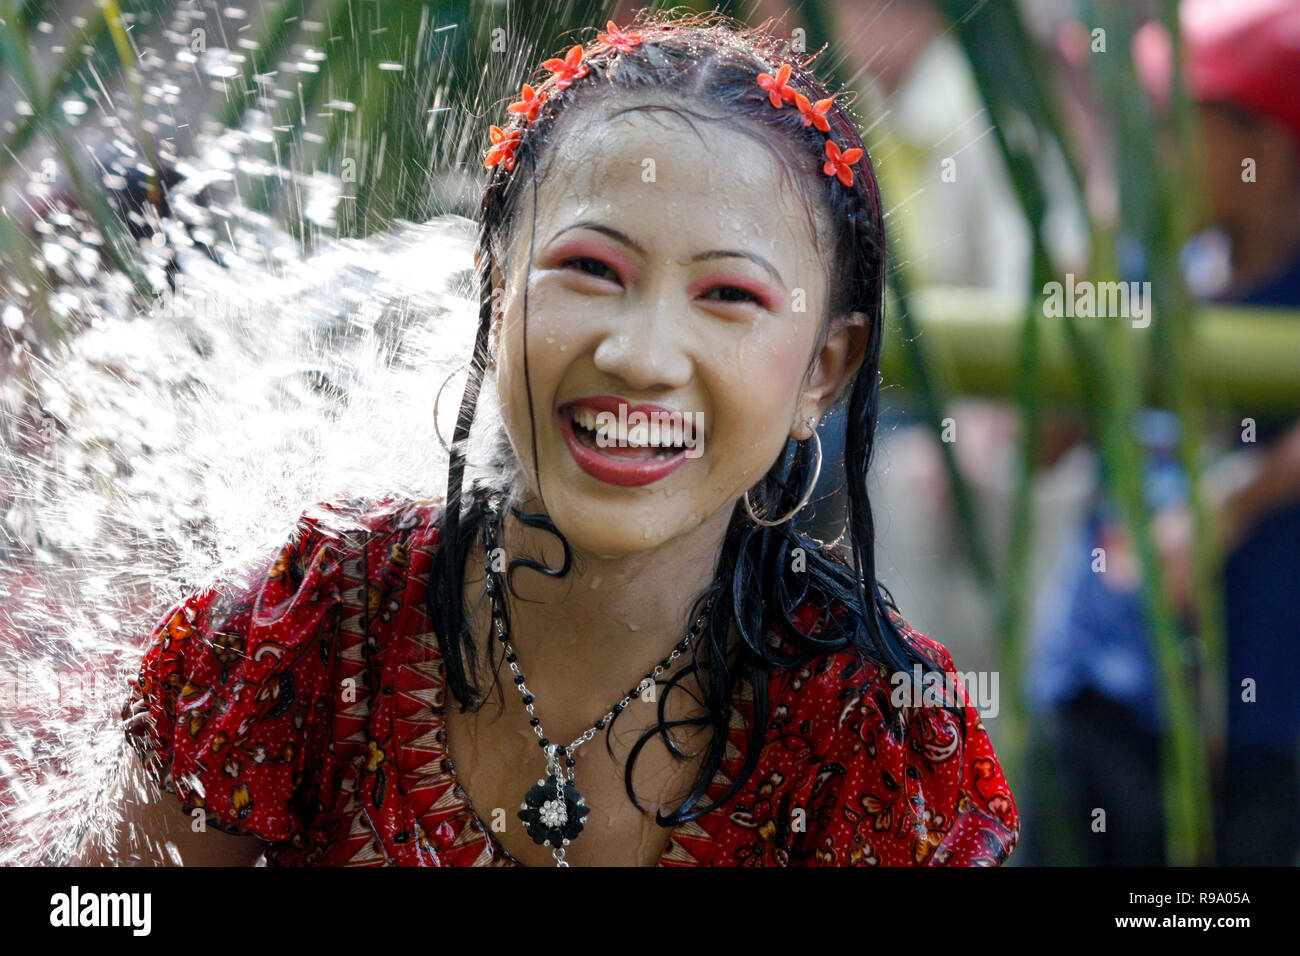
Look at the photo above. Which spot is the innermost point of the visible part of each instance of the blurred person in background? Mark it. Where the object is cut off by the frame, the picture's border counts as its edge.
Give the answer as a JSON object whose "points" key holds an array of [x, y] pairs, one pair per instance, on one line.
{"points": [[1093, 676]]}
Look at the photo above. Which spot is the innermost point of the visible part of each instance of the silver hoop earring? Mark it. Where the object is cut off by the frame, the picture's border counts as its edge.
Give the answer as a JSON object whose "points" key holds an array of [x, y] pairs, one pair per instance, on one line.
{"points": [[817, 471], [438, 400]]}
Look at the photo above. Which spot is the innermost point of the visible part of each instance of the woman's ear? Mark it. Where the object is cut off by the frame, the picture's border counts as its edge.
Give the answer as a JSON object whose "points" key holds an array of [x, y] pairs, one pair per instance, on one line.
{"points": [[832, 368]]}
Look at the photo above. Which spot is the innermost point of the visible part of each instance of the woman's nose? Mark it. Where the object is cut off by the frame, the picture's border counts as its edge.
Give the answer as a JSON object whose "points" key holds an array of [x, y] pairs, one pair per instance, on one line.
{"points": [[645, 349]]}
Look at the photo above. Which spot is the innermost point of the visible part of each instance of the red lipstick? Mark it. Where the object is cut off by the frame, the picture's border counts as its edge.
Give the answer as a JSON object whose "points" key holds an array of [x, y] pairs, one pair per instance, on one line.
{"points": [[612, 468]]}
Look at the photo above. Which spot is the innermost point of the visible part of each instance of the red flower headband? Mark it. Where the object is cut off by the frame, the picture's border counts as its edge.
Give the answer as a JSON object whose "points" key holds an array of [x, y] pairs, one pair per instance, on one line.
{"points": [[530, 101], [529, 104], [814, 114]]}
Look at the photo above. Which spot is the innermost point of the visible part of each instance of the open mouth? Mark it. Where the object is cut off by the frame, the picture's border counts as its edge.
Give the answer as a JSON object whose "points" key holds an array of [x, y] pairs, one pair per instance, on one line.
{"points": [[654, 440], [627, 445]]}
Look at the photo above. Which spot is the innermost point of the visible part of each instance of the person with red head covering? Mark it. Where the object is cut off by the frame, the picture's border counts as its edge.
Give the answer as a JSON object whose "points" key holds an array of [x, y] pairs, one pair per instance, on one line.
{"points": [[1243, 71]]}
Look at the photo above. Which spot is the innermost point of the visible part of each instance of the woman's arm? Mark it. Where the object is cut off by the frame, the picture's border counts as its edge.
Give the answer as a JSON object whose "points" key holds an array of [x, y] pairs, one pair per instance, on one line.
{"points": [[150, 829]]}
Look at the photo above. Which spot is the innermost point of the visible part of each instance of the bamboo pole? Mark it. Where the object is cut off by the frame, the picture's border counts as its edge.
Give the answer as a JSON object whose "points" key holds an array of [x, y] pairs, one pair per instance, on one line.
{"points": [[1241, 358]]}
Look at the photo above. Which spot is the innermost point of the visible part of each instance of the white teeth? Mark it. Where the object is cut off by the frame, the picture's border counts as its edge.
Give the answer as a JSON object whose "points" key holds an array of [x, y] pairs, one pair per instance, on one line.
{"points": [[657, 433]]}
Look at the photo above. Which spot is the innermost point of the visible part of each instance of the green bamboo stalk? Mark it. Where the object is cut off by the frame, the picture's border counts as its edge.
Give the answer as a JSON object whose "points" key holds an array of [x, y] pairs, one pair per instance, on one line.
{"points": [[287, 141], [122, 43], [1208, 559], [30, 12], [1146, 211], [16, 249], [1008, 77], [343, 72]]}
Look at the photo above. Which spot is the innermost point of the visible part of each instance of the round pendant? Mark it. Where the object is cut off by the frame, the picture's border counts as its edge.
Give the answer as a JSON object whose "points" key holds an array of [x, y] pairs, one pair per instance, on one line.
{"points": [[553, 819]]}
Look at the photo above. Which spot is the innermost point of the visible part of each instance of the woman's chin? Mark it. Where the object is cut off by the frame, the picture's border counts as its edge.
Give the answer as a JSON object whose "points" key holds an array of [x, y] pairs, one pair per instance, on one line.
{"points": [[603, 529], [620, 536]]}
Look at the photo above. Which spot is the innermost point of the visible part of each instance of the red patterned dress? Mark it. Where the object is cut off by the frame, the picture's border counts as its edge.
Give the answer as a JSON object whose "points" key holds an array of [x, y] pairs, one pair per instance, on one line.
{"points": [[306, 707]]}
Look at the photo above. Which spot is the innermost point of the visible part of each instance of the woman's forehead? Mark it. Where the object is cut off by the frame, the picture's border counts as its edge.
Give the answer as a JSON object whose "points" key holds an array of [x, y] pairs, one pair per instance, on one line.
{"points": [[671, 183]]}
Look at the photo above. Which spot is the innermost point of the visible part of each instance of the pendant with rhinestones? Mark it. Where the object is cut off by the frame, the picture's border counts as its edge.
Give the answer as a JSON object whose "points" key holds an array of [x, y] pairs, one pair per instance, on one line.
{"points": [[554, 814]]}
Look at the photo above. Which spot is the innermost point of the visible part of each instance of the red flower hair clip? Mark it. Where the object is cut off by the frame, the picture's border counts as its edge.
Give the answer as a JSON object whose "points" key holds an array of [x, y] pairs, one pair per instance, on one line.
{"points": [[837, 163], [777, 90], [529, 103], [814, 114], [503, 147], [569, 69], [617, 38]]}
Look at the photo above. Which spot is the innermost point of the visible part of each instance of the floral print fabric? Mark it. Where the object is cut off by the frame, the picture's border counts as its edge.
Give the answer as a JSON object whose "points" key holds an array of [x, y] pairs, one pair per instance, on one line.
{"points": [[305, 706]]}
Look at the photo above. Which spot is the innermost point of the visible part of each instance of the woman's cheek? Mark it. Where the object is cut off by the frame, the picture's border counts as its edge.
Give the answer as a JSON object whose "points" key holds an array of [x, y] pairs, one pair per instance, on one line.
{"points": [[559, 321], [541, 330], [773, 374], [512, 386], [555, 327]]}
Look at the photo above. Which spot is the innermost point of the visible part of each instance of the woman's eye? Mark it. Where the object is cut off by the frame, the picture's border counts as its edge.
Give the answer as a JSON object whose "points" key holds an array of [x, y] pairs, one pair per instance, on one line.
{"points": [[733, 293], [592, 267]]}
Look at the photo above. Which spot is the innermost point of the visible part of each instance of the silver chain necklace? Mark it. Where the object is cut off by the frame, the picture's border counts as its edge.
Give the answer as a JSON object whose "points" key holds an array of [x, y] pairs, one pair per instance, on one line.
{"points": [[553, 810]]}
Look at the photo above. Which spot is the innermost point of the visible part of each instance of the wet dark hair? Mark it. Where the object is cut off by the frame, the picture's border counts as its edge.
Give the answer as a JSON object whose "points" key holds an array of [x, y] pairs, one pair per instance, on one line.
{"points": [[710, 59]]}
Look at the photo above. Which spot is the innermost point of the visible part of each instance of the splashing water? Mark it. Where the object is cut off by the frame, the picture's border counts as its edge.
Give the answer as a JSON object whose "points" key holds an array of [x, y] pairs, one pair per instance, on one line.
{"points": [[182, 443]]}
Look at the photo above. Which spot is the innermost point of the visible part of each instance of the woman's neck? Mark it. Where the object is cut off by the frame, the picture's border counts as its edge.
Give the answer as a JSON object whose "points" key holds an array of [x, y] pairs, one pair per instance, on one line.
{"points": [[585, 639]]}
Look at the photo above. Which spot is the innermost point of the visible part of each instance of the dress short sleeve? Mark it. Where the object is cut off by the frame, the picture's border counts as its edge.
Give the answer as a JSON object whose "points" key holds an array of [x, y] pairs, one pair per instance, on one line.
{"points": [[858, 769], [970, 818], [230, 700]]}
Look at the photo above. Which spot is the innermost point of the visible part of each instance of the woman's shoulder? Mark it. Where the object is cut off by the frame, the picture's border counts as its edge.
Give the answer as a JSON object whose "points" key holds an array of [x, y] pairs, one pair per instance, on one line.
{"points": [[817, 619], [892, 749], [851, 675], [233, 703], [342, 518], [376, 540]]}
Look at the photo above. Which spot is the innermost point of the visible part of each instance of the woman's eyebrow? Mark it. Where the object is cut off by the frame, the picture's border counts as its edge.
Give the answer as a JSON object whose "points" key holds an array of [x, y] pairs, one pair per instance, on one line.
{"points": [[740, 254], [631, 243], [610, 231]]}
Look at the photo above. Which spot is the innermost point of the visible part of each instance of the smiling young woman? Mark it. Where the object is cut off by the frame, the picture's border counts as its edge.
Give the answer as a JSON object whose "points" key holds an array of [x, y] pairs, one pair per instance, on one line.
{"points": [[681, 262]]}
